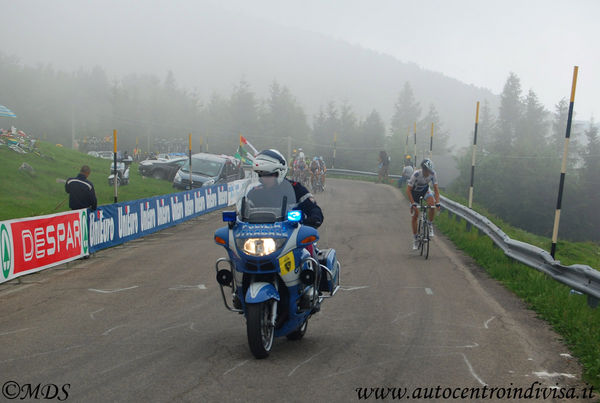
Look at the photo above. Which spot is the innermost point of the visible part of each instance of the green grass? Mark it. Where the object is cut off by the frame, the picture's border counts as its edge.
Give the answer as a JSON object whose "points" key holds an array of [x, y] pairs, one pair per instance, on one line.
{"points": [[24, 195], [568, 314]]}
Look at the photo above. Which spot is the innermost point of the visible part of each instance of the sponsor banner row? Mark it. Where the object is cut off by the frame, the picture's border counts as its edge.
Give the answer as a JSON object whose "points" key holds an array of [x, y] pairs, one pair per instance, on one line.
{"points": [[32, 244], [115, 224]]}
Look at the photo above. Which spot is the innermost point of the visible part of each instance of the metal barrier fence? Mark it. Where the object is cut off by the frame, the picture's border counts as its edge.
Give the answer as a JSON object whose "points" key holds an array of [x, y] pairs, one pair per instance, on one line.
{"points": [[579, 277]]}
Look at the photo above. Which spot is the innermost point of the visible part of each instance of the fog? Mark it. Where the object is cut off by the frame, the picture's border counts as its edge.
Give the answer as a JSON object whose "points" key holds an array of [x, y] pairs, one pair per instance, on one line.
{"points": [[303, 74]]}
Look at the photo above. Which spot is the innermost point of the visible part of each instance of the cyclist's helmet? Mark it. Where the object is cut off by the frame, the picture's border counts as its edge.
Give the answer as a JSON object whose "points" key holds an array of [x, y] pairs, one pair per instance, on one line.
{"points": [[270, 163], [321, 158], [427, 163], [316, 159]]}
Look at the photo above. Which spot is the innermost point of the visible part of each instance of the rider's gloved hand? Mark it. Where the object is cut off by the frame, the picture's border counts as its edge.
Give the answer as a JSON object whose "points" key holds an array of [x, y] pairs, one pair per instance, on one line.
{"points": [[312, 222], [438, 206]]}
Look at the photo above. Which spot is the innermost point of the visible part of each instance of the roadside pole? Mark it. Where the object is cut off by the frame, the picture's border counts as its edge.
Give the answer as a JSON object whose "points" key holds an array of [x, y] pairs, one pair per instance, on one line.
{"points": [[116, 174], [563, 168], [415, 137], [431, 142], [190, 157], [473, 156], [334, 147]]}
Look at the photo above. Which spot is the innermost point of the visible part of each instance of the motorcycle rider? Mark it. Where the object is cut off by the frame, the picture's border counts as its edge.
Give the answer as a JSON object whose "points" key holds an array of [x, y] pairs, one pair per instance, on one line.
{"points": [[271, 168], [418, 186]]}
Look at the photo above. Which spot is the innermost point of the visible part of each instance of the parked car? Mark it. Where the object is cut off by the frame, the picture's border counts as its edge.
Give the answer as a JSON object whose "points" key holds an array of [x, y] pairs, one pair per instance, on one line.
{"points": [[161, 168], [105, 155], [208, 169]]}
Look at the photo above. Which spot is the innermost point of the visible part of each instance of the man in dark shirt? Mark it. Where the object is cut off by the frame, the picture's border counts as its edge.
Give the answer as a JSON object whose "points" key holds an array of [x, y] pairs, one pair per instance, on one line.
{"points": [[81, 191]]}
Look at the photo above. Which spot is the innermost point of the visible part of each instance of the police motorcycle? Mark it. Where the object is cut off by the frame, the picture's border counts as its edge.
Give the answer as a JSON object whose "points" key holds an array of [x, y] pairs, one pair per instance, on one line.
{"points": [[270, 276]]}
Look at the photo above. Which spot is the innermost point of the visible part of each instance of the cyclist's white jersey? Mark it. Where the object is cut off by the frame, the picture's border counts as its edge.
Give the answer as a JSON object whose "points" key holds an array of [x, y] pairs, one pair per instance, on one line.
{"points": [[419, 183]]}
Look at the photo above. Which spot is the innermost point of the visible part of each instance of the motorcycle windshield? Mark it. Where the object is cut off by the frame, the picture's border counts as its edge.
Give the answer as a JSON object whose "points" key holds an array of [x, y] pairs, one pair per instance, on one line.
{"points": [[265, 203]]}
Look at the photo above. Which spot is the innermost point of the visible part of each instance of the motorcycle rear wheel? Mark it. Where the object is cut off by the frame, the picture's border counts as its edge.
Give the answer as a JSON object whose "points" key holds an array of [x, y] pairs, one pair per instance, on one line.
{"points": [[259, 329]]}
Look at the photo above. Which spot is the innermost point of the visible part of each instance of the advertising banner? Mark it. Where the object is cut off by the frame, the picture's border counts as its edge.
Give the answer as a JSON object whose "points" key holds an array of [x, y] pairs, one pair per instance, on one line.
{"points": [[115, 224], [31, 244]]}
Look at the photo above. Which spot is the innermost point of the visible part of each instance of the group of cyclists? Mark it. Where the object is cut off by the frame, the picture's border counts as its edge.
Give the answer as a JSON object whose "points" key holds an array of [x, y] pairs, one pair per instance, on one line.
{"points": [[310, 172], [421, 183]]}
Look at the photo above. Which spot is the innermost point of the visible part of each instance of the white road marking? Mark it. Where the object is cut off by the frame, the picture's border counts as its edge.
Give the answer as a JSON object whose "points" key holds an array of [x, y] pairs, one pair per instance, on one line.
{"points": [[92, 313], [402, 316], [16, 289], [304, 362], [111, 329], [487, 322], [473, 345], [188, 287], [566, 355], [175, 327], [112, 291], [428, 291], [44, 353], [352, 288], [544, 374], [14, 331], [472, 371], [235, 367], [130, 361]]}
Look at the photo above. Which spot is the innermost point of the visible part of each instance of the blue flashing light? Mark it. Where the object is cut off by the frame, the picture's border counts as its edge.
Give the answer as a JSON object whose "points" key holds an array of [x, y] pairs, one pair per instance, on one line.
{"points": [[294, 216], [229, 216]]}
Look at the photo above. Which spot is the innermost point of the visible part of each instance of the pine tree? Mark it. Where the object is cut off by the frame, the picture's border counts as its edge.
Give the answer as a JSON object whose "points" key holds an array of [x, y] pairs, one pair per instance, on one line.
{"points": [[406, 112], [511, 110]]}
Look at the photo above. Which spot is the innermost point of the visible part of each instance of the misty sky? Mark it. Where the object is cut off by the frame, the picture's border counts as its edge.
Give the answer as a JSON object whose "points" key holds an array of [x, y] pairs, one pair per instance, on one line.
{"points": [[478, 42]]}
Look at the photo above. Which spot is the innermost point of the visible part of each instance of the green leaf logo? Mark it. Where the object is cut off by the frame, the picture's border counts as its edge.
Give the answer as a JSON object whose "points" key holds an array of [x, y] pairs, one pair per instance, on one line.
{"points": [[5, 251], [84, 231]]}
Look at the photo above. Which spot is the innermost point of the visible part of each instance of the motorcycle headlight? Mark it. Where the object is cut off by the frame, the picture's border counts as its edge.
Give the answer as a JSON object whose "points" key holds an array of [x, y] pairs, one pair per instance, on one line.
{"points": [[260, 246]]}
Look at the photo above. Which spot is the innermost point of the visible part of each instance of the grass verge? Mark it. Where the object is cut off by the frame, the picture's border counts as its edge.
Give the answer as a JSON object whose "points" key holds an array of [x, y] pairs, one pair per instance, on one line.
{"points": [[26, 195]]}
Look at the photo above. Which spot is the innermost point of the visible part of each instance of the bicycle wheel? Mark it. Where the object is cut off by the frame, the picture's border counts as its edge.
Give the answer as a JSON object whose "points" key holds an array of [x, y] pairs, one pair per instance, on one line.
{"points": [[426, 241], [420, 236]]}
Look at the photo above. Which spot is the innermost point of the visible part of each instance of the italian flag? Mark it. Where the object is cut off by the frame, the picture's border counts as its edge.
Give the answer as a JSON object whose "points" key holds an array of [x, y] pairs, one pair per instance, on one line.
{"points": [[242, 154]]}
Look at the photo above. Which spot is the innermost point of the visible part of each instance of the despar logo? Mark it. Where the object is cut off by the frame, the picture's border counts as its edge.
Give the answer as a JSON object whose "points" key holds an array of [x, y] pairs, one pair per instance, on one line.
{"points": [[84, 232], [6, 249]]}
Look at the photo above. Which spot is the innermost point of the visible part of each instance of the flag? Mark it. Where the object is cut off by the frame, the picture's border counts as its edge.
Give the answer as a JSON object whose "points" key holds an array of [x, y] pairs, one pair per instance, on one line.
{"points": [[244, 142], [243, 156]]}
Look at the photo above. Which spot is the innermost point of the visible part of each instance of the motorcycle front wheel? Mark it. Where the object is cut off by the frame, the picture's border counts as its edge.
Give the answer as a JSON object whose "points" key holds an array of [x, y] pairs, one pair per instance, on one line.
{"points": [[259, 329]]}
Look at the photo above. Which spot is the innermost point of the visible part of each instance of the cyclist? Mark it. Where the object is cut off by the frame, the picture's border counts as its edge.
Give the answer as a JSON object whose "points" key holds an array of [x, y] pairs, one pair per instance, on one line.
{"points": [[315, 170], [323, 170], [407, 172], [418, 186]]}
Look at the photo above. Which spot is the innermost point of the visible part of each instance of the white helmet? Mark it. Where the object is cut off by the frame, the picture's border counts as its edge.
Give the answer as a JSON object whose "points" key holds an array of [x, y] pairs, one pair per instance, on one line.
{"points": [[427, 163], [270, 162]]}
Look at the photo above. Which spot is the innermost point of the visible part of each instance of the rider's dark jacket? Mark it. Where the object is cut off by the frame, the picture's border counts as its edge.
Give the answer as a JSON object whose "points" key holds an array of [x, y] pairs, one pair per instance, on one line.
{"points": [[312, 213]]}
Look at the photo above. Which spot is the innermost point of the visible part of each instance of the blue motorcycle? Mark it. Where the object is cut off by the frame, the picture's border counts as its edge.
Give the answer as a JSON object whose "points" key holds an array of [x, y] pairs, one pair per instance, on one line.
{"points": [[275, 281]]}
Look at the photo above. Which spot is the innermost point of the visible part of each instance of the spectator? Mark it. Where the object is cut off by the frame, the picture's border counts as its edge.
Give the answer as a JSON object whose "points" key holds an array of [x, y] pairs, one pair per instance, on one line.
{"points": [[81, 190], [384, 165]]}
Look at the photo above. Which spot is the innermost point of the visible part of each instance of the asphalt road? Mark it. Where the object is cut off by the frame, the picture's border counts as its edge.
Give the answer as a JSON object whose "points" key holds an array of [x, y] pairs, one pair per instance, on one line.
{"points": [[145, 322]]}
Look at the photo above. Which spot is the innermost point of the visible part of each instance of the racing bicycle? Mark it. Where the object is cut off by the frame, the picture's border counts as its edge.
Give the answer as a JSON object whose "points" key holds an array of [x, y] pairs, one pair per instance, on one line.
{"points": [[423, 239]]}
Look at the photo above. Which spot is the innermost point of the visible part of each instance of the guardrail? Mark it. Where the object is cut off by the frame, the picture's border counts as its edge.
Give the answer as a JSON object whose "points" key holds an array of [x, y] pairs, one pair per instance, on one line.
{"points": [[579, 277]]}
